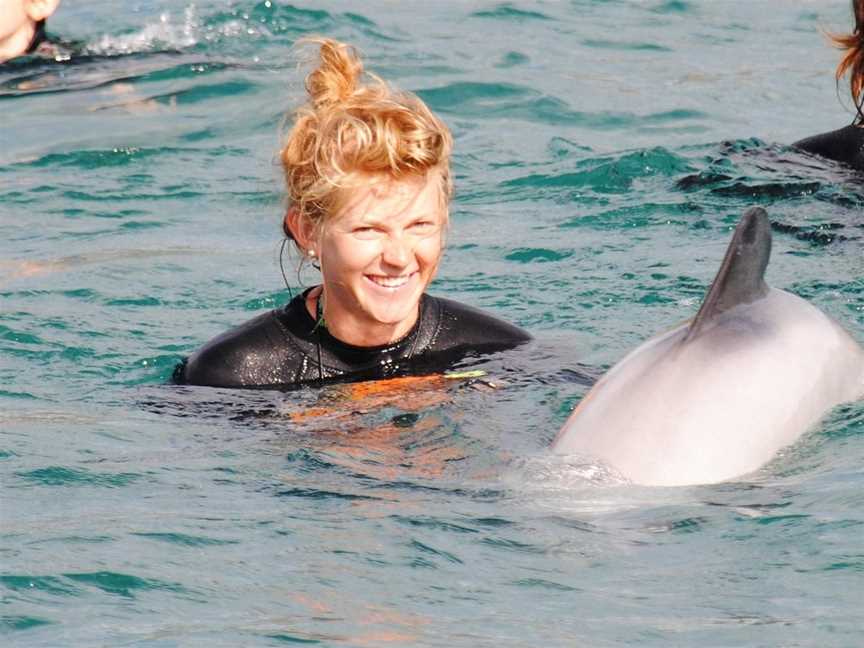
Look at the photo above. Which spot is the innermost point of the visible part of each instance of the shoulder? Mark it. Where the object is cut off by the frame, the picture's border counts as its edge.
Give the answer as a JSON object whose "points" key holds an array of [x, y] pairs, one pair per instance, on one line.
{"points": [[460, 325], [843, 145], [821, 141], [265, 350], [224, 360]]}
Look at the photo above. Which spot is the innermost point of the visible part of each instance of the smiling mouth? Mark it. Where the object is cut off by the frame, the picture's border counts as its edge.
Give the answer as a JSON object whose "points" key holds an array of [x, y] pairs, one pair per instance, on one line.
{"points": [[391, 283]]}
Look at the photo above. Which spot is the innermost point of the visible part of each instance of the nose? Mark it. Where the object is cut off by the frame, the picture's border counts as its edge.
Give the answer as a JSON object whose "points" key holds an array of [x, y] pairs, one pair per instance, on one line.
{"points": [[397, 251]]}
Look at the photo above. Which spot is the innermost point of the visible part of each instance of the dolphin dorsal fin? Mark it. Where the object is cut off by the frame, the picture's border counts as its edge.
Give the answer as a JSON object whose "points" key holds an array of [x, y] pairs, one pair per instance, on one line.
{"points": [[741, 278]]}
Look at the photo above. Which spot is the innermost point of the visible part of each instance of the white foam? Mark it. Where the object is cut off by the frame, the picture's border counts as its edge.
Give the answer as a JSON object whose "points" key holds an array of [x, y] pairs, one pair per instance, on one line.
{"points": [[549, 472], [164, 34]]}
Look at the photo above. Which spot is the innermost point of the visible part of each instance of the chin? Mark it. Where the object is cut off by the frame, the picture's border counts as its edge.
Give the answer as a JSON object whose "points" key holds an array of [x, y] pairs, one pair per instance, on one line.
{"points": [[395, 308], [394, 317], [393, 314]]}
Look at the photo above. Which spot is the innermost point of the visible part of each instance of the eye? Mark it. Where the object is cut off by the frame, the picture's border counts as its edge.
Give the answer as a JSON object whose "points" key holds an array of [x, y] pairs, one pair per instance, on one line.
{"points": [[366, 232]]}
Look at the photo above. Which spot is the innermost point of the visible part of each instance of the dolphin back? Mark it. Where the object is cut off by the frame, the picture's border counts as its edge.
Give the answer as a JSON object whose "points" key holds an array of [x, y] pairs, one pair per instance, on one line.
{"points": [[741, 278], [717, 398]]}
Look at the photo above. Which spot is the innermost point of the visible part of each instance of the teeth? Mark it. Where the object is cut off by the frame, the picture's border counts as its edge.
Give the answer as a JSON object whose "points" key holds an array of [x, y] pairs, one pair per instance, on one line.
{"points": [[390, 282]]}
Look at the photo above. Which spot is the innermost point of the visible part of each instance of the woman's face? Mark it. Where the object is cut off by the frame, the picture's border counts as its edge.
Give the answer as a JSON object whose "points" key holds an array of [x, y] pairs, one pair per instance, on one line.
{"points": [[13, 18], [378, 254]]}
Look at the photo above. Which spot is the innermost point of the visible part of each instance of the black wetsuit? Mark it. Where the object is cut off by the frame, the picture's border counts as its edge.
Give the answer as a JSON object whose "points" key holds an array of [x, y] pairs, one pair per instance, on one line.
{"points": [[40, 36], [844, 145], [284, 348]]}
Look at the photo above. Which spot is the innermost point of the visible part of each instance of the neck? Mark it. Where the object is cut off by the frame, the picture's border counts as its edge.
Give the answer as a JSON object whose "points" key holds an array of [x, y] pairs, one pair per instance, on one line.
{"points": [[348, 328], [18, 43]]}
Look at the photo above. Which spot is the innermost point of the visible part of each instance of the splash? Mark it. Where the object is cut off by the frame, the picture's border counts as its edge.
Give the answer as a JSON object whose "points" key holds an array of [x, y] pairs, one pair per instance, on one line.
{"points": [[166, 34], [554, 473]]}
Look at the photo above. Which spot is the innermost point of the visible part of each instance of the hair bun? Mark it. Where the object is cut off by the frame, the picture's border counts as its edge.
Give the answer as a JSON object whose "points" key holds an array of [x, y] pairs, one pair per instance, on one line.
{"points": [[354, 125], [337, 75]]}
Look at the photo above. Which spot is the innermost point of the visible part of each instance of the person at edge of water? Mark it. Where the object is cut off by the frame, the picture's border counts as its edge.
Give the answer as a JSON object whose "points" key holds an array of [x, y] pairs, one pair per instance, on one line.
{"points": [[22, 29], [367, 169], [846, 144]]}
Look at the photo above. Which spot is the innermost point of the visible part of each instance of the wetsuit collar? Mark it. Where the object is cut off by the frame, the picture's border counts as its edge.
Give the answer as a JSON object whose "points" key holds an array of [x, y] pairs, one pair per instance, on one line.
{"points": [[339, 347], [39, 37], [319, 328]]}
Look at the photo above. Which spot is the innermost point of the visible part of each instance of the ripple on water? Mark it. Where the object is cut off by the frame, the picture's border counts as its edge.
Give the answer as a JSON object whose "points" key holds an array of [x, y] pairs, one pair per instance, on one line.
{"points": [[674, 7], [185, 540], [512, 101], [426, 555], [624, 46], [126, 156], [310, 639], [605, 175], [54, 585], [432, 523], [203, 92], [509, 12], [22, 622], [644, 215], [63, 476], [125, 585], [543, 584], [512, 59], [276, 17], [538, 255]]}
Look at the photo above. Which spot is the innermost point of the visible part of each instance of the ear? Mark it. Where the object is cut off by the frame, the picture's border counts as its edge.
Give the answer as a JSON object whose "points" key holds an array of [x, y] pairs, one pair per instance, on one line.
{"points": [[40, 9], [301, 228]]}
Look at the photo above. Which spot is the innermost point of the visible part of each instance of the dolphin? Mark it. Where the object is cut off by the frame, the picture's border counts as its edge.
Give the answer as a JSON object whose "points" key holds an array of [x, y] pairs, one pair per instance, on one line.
{"points": [[716, 397]]}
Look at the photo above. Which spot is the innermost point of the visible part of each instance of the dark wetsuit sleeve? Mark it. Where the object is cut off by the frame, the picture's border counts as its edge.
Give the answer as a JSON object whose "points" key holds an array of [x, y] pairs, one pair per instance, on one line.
{"points": [[251, 355], [469, 329], [844, 145]]}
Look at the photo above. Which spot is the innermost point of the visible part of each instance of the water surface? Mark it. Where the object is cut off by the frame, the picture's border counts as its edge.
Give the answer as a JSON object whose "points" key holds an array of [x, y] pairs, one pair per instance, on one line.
{"points": [[604, 151]]}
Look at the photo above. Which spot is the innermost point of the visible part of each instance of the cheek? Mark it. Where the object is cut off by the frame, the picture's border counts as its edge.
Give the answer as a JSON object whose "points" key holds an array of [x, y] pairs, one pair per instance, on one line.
{"points": [[429, 250], [351, 255], [12, 18]]}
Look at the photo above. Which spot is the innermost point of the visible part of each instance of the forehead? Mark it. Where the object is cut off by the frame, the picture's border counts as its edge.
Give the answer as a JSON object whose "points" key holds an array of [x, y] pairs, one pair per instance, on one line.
{"points": [[385, 197]]}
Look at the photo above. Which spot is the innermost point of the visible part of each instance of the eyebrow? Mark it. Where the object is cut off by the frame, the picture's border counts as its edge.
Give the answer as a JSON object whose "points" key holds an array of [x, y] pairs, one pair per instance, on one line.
{"points": [[368, 219]]}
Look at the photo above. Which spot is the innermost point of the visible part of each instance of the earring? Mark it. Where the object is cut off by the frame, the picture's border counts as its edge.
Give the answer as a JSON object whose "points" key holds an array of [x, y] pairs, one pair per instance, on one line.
{"points": [[310, 254]]}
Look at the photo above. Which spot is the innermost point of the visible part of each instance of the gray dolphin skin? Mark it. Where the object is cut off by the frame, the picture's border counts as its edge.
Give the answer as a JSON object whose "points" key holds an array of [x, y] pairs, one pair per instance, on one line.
{"points": [[718, 396]]}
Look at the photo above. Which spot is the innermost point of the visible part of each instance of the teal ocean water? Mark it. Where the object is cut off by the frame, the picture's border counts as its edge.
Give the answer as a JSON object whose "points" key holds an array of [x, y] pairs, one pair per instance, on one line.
{"points": [[604, 151]]}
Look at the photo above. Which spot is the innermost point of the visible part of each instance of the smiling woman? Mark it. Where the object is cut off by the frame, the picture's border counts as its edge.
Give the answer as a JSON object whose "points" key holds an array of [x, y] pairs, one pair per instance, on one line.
{"points": [[22, 26], [367, 170]]}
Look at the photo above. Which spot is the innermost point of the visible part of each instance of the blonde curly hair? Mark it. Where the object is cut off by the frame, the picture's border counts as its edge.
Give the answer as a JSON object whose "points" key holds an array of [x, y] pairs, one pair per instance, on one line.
{"points": [[355, 125]]}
